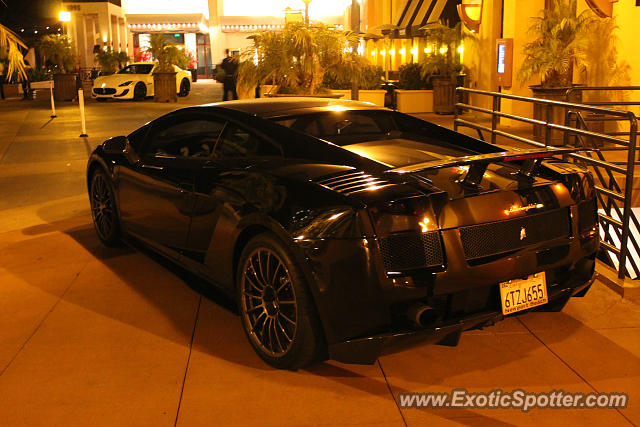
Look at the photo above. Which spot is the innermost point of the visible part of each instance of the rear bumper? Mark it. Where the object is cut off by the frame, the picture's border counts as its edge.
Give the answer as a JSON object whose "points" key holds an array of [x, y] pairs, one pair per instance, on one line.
{"points": [[366, 350]]}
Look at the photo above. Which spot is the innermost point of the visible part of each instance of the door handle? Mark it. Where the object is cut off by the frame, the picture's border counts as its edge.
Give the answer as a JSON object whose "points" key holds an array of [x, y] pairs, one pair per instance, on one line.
{"points": [[154, 167]]}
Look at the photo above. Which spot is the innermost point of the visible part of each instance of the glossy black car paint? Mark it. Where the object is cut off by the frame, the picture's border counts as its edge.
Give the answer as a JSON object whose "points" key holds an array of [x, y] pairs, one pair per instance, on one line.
{"points": [[200, 212]]}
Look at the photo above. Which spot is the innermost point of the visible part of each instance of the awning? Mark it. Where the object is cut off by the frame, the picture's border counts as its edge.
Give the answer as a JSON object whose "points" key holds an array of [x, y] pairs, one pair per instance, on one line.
{"points": [[418, 13]]}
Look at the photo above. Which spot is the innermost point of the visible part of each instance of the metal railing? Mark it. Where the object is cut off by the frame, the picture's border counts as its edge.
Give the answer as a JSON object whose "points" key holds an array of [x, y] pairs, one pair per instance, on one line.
{"points": [[614, 199], [605, 92]]}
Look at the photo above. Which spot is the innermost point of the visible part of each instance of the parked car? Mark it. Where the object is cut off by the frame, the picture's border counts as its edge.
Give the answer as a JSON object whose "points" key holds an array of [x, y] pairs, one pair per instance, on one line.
{"points": [[342, 229], [135, 81]]}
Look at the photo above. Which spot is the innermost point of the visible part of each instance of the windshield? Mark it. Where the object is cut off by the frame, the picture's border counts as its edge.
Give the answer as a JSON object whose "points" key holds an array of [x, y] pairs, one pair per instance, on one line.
{"points": [[137, 69]]}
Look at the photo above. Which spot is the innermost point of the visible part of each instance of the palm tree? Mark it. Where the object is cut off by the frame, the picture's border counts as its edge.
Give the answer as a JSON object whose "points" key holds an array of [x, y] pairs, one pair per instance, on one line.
{"points": [[10, 45], [561, 42], [296, 58]]}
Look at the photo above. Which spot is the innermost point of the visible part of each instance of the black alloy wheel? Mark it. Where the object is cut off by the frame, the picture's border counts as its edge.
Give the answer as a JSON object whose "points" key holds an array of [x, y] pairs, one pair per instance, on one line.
{"points": [[139, 91], [184, 88], [103, 209], [276, 307]]}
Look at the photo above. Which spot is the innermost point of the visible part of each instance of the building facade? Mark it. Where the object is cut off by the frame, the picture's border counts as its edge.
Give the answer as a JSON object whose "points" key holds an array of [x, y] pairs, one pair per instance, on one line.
{"points": [[204, 28], [392, 30]]}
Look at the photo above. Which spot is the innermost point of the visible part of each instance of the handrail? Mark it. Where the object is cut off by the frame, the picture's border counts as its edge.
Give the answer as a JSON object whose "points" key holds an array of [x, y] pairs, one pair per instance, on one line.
{"points": [[613, 199]]}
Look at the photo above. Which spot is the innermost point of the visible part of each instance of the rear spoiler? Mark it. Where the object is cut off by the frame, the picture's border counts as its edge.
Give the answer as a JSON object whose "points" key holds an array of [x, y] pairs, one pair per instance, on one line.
{"points": [[478, 163]]}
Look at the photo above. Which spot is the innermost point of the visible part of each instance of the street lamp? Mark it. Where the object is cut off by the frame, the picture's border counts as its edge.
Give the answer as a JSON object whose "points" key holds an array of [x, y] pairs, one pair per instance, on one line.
{"points": [[64, 16], [306, 12]]}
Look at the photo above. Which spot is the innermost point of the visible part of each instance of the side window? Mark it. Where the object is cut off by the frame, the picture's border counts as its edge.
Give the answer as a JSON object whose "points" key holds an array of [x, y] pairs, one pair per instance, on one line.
{"points": [[238, 142], [136, 138], [185, 137]]}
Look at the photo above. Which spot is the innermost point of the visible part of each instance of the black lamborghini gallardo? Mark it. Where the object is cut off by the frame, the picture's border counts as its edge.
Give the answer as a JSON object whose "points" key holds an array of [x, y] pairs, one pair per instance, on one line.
{"points": [[342, 229]]}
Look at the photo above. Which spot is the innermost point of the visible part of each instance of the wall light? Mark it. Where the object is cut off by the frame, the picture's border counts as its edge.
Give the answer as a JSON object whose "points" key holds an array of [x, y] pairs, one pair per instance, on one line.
{"points": [[392, 52], [444, 50], [64, 16], [402, 51], [427, 49]]}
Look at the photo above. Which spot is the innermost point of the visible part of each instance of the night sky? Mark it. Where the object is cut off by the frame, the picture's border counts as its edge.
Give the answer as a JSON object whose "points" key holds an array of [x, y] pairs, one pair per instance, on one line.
{"points": [[28, 13]]}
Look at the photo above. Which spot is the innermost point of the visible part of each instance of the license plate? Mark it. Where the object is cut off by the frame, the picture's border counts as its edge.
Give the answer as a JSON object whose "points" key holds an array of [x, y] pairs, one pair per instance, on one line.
{"points": [[521, 294]]}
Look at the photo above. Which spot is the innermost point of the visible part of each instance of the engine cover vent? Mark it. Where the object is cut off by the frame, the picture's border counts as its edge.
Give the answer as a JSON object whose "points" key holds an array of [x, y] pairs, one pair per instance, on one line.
{"points": [[352, 182]]}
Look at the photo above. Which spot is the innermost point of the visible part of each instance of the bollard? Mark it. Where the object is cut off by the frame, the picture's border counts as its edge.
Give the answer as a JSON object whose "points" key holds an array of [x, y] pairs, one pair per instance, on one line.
{"points": [[81, 105], [53, 104]]}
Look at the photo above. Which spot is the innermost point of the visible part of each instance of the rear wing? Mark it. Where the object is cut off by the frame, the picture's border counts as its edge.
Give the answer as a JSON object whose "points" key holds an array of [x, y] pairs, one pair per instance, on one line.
{"points": [[478, 163]]}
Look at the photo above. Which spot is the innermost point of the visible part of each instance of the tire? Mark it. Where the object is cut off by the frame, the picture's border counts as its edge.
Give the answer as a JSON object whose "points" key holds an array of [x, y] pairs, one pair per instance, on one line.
{"points": [[277, 310], [139, 91], [185, 87], [103, 209]]}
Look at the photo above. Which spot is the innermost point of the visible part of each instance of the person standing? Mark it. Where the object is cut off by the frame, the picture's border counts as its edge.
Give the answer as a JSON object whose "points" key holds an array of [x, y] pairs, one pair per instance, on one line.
{"points": [[230, 67]]}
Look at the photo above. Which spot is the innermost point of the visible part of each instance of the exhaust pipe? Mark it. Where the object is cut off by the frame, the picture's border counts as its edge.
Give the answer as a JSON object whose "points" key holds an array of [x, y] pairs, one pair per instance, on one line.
{"points": [[422, 315]]}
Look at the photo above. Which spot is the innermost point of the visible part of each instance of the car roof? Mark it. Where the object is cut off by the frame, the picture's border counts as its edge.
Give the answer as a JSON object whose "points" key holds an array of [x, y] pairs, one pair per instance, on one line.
{"points": [[274, 107], [143, 63]]}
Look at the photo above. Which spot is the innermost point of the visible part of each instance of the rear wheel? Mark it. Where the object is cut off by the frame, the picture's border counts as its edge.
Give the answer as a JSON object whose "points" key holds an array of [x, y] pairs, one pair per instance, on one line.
{"points": [[185, 87], [277, 310], [103, 209], [139, 91]]}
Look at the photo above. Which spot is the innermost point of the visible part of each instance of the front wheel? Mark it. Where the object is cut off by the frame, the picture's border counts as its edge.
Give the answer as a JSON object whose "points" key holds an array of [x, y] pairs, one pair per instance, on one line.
{"points": [[277, 310], [103, 209], [184, 88], [139, 91]]}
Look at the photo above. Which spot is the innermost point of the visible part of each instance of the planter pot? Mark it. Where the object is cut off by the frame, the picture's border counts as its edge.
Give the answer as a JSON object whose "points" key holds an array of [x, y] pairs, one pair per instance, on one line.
{"points": [[414, 101], [194, 74], [557, 113], [12, 90], [165, 89], [268, 89], [344, 93], [374, 96], [65, 87], [444, 95], [302, 95]]}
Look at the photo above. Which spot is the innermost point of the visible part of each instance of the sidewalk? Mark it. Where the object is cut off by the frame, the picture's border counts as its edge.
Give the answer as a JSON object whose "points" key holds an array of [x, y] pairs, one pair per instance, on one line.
{"points": [[98, 336]]}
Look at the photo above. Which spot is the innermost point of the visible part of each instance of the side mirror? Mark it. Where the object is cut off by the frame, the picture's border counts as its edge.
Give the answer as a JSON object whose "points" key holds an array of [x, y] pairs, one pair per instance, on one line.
{"points": [[115, 145], [120, 145]]}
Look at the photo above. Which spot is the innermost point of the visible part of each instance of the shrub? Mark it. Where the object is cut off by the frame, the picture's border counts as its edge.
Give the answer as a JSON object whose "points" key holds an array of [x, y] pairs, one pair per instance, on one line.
{"points": [[58, 50], [110, 61], [296, 58], [411, 78], [341, 77]]}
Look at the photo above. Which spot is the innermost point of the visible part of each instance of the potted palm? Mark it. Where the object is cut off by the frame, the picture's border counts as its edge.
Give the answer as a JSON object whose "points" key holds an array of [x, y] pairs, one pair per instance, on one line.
{"points": [[443, 66], [560, 46], [294, 59], [10, 86], [58, 50], [167, 54], [413, 94], [111, 61], [368, 77]]}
